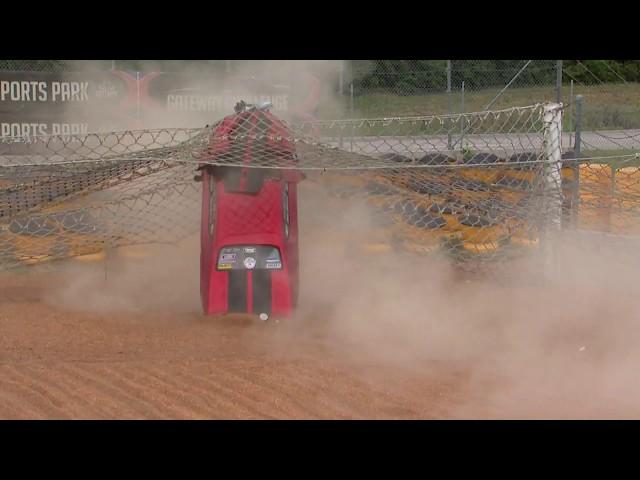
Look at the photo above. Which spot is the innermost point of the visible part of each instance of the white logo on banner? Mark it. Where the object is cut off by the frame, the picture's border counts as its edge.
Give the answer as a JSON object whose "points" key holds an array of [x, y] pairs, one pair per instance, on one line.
{"points": [[32, 91]]}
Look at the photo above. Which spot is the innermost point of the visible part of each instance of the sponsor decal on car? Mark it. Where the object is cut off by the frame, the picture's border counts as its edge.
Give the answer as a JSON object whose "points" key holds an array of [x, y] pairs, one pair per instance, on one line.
{"points": [[274, 265], [225, 266], [249, 249], [228, 257], [274, 255]]}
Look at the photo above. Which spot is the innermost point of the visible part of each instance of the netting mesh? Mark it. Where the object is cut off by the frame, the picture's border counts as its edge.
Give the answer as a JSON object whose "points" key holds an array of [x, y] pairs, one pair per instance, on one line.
{"points": [[476, 187], [63, 196]]}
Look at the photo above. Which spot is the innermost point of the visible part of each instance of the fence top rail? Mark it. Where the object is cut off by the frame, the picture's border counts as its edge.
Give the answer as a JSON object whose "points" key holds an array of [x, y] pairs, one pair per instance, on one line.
{"points": [[360, 122], [418, 118]]}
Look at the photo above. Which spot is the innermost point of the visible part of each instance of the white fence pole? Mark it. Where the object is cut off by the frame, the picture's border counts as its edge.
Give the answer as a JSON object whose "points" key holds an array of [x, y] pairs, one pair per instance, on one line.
{"points": [[552, 181], [552, 176]]}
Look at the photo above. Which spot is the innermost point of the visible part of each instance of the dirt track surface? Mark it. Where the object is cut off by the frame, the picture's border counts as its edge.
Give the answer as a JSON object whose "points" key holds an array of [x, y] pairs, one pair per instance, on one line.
{"points": [[59, 363], [126, 338], [375, 337]]}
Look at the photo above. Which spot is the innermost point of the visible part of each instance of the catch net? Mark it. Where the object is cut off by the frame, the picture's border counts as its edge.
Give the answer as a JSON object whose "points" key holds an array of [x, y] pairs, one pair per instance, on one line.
{"points": [[473, 188], [64, 196]]}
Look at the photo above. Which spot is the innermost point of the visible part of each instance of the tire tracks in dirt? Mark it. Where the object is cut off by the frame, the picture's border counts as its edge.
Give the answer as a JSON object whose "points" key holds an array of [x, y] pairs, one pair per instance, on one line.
{"points": [[125, 399]]}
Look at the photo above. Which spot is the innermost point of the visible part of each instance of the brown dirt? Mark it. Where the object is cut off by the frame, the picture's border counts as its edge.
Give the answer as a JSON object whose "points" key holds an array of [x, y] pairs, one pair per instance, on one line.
{"points": [[58, 362], [376, 337]]}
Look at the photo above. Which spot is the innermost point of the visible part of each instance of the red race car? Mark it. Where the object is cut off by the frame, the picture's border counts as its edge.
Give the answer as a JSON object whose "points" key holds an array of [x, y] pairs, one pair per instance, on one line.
{"points": [[249, 227]]}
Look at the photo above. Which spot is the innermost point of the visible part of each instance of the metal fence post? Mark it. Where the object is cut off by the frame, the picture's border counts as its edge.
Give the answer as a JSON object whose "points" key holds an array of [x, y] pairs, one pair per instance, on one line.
{"points": [[551, 223], [341, 70], [571, 113], [553, 151], [351, 113], [614, 171], [559, 81], [578, 140], [450, 106], [462, 119], [138, 97], [577, 144]]}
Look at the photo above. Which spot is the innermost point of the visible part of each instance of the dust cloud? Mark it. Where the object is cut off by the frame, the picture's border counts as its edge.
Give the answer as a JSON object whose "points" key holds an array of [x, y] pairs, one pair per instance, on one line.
{"points": [[135, 279], [559, 342], [300, 81], [530, 343], [563, 345]]}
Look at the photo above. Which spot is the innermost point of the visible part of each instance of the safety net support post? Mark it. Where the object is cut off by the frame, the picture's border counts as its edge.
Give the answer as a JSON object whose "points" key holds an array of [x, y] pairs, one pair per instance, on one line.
{"points": [[552, 181]]}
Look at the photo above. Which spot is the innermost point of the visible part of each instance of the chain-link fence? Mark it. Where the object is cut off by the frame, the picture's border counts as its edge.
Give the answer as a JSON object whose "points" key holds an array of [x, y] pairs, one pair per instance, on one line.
{"points": [[70, 195], [610, 89], [397, 139], [492, 196], [604, 122], [377, 88], [55, 66], [609, 112], [143, 66], [451, 86]]}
